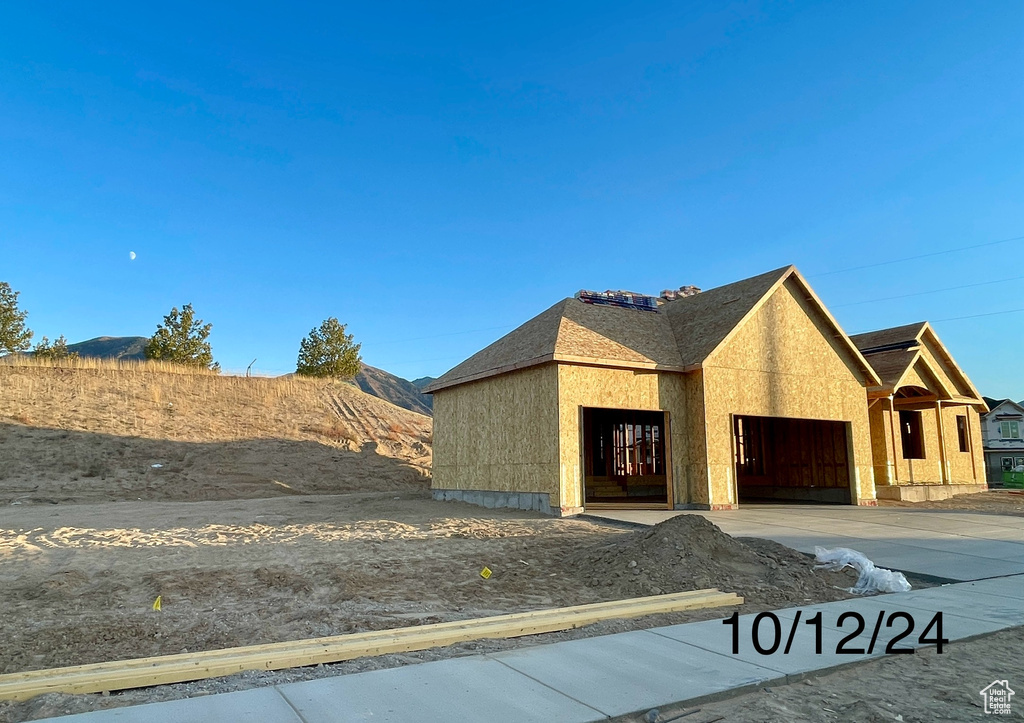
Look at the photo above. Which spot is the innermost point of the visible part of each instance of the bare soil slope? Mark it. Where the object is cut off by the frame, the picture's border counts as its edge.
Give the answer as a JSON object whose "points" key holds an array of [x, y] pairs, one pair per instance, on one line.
{"points": [[98, 431]]}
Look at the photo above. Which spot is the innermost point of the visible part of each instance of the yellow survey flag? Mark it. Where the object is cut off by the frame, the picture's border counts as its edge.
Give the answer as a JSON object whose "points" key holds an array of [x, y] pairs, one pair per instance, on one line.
{"points": [[485, 573], [156, 603]]}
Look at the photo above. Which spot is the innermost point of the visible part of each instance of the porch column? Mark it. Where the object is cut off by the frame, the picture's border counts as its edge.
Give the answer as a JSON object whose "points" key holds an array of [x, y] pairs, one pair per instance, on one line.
{"points": [[893, 462], [970, 442], [943, 472]]}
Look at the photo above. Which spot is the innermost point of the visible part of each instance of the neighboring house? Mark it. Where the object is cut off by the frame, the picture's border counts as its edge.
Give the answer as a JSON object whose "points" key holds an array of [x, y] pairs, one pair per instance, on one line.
{"points": [[1003, 434], [925, 423], [747, 392]]}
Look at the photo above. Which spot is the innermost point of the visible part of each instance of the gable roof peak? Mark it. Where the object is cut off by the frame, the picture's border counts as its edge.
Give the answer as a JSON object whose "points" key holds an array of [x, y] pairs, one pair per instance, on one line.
{"points": [[680, 335], [704, 323], [993, 403]]}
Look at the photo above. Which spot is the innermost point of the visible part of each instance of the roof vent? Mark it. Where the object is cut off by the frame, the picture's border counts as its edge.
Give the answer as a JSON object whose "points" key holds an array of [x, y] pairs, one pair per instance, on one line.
{"points": [[681, 293], [622, 299]]}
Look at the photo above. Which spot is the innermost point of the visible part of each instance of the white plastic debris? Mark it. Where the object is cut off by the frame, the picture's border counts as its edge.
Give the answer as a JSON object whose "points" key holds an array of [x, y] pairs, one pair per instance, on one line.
{"points": [[872, 579], [156, 466]]}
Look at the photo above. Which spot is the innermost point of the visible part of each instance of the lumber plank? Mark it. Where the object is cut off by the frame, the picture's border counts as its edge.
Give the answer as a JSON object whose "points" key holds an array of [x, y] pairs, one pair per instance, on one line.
{"points": [[618, 608], [182, 667]]}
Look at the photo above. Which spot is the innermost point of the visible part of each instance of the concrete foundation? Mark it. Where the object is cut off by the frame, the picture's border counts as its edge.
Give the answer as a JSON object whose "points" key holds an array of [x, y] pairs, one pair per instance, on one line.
{"points": [[924, 493], [705, 508], [537, 501]]}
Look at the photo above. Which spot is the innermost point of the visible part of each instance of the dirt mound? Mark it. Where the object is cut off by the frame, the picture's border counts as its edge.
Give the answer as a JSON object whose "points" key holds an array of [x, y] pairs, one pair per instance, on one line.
{"points": [[688, 552]]}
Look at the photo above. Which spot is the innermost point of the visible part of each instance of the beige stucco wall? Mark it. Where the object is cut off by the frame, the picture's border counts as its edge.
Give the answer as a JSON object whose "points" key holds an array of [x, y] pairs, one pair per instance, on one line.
{"points": [[590, 386], [499, 434], [783, 362]]}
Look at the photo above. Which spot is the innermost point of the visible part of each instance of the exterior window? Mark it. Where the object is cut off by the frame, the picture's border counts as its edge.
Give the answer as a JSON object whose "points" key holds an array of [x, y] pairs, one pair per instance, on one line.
{"points": [[961, 432], [1006, 463], [911, 435], [1009, 430]]}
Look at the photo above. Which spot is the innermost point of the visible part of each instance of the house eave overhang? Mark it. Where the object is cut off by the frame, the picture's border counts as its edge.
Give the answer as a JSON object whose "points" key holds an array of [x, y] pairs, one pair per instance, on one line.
{"points": [[886, 391], [950, 362], [635, 365], [535, 361]]}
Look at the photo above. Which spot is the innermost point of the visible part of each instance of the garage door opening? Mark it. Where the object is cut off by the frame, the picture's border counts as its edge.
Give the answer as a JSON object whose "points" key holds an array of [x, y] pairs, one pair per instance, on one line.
{"points": [[624, 460], [792, 460]]}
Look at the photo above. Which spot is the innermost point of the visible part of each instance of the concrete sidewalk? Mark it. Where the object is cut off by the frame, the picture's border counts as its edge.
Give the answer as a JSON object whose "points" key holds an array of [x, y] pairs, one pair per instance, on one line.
{"points": [[601, 677], [948, 545]]}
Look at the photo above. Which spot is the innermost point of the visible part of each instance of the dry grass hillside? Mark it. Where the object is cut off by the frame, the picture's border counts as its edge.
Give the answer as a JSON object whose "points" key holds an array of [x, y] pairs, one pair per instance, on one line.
{"points": [[97, 430]]}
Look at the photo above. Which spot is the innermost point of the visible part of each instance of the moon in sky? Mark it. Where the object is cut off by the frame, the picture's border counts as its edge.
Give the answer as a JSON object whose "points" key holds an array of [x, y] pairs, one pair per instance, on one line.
{"points": [[131, 255]]}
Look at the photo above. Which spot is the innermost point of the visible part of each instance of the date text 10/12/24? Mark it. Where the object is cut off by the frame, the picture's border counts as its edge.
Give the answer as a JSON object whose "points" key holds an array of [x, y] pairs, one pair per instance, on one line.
{"points": [[769, 640]]}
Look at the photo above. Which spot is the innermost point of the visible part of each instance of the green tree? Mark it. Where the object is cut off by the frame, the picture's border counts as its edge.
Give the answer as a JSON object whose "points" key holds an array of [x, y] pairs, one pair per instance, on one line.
{"points": [[328, 352], [182, 339], [57, 350], [14, 335]]}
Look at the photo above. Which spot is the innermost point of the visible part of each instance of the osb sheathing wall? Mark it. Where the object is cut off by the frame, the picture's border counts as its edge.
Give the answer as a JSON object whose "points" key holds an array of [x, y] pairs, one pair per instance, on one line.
{"points": [[942, 462], [882, 452], [908, 471], [698, 483], [920, 377], [590, 386], [930, 352], [783, 363], [499, 434], [959, 468]]}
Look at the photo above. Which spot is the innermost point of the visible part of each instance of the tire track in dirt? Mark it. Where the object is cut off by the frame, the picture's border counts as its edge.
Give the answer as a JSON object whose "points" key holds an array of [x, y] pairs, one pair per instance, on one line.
{"points": [[14, 543], [347, 414]]}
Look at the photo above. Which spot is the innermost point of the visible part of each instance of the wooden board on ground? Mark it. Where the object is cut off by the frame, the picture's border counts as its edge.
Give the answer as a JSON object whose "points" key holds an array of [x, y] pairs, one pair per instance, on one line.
{"points": [[142, 672]]}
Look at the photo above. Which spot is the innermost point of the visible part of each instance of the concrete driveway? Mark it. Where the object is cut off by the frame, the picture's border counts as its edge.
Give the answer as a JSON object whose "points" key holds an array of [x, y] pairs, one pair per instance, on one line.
{"points": [[949, 545]]}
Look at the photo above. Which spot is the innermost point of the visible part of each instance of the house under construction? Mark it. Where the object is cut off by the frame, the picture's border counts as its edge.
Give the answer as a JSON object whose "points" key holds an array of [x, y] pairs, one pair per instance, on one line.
{"points": [[747, 392]]}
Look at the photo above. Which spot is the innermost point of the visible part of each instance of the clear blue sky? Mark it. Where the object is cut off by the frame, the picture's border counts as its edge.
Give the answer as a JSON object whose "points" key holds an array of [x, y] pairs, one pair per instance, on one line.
{"points": [[436, 177]]}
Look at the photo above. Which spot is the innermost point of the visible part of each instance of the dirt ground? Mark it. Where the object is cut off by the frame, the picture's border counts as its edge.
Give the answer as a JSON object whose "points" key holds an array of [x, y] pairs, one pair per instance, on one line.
{"points": [[77, 582], [918, 688], [997, 502], [65, 467]]}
